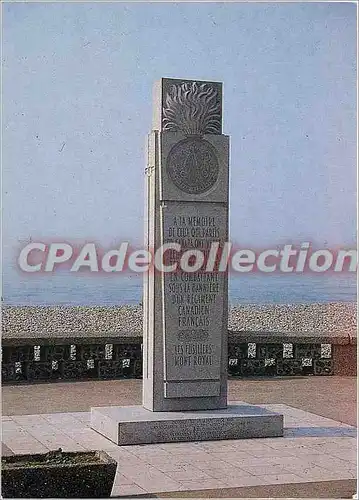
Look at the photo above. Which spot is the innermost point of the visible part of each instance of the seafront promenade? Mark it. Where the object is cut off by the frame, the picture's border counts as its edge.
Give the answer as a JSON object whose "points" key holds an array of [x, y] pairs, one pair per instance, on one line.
{"points": [[316, 458], [81, 343]]}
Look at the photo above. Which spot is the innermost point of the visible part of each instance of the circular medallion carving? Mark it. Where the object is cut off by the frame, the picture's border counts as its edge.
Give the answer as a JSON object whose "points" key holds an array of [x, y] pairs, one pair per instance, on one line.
{"points": [[193, 166]]}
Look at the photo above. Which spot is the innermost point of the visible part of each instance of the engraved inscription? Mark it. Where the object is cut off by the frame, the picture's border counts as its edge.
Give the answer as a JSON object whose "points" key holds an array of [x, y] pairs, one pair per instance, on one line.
{"points": [[193, 354], [198, 335], [192, 108], [193, 300], [192, 166]]}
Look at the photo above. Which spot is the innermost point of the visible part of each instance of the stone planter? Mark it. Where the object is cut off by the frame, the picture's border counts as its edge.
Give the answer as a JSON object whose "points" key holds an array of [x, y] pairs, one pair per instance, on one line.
{"points": [[58, 474]]}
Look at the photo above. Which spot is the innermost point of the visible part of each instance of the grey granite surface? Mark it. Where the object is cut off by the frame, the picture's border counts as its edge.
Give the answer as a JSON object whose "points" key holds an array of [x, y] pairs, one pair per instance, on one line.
{"points": [[136, 425]]}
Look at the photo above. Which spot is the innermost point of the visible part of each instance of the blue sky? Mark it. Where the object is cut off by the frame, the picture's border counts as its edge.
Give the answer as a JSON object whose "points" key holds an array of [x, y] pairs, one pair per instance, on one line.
{"points": [[77, 91]]}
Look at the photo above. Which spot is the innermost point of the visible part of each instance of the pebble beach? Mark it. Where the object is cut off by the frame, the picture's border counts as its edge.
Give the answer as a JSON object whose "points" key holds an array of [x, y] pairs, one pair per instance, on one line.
{"points": [[322, 318]]}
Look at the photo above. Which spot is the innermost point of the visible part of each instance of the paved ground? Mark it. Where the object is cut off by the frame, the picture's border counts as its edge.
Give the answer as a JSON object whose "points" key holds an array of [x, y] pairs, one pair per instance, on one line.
{"points": [[316, 458], [314, 449], [331, 397], [322, 489]]}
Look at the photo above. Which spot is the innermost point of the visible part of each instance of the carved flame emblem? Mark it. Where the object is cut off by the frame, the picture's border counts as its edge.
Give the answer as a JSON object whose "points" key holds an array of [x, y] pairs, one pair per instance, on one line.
{"points": [[193, 109]]}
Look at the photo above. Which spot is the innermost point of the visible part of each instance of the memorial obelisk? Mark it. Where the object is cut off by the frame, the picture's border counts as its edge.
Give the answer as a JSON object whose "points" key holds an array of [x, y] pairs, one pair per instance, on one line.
{"points": [[185, 313], [185, 323]]}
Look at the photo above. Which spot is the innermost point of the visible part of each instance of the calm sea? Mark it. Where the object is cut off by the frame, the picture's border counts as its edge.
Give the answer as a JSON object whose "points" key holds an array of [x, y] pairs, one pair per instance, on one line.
{"points": [[112, 290]]}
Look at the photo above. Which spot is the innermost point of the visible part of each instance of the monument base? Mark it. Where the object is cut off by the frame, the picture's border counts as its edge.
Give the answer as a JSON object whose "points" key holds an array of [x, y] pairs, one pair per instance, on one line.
{"points": [[136, 425]]}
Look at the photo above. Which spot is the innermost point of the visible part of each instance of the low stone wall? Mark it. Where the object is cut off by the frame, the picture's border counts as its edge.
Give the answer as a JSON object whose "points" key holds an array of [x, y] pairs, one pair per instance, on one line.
{"points": [[57, 343]]}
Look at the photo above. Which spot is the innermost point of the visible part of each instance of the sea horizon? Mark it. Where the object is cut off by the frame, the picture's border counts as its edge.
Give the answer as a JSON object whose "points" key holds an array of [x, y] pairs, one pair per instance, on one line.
{"points": [[127, 289]]}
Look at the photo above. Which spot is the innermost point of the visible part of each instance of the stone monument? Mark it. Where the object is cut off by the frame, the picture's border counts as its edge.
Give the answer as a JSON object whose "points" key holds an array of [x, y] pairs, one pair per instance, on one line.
{"points": [[185, 317], [185, 326]]}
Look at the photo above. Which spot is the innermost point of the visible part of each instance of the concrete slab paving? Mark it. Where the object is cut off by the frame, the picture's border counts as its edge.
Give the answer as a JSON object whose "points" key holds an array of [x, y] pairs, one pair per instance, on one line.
{"points": [[174, 467], [330, 397], [323, 489], [316, 438]]}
